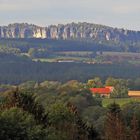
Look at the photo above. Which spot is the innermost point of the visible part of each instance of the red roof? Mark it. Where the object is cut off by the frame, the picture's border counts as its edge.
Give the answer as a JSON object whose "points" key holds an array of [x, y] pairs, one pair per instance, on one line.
{"points": [[100, 90]]}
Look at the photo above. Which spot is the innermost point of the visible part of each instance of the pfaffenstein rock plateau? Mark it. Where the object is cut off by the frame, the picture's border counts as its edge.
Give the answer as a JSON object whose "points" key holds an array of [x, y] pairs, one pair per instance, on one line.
{"points": [[69, 31]]}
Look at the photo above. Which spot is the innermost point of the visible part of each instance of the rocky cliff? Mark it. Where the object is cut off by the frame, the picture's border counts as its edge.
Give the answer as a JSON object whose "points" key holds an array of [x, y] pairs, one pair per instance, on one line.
{"points": [[69, 31]]}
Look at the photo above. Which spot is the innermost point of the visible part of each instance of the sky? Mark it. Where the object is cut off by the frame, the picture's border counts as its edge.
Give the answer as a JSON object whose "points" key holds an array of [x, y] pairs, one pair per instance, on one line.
{"points": [[115, 13]]}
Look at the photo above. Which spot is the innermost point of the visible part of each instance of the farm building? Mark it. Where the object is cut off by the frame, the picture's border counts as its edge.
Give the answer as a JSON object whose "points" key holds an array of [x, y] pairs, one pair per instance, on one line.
{"points": [[134, 94], [103, 92]]}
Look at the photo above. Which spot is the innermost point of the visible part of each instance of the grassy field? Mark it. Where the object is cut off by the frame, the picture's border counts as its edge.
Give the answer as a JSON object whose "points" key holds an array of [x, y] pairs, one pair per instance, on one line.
{"points": [[84, 56], [121, 102], [124, 54], [82, 53], [55, 59]]}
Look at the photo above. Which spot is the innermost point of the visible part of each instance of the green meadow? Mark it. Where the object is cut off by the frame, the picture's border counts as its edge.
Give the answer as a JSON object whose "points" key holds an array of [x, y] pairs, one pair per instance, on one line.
{"points": [[121, 102]]}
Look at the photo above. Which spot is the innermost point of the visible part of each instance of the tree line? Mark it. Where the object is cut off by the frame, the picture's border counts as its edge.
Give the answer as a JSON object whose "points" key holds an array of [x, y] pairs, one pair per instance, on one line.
{"points": [[55, 111], [15, 69]]}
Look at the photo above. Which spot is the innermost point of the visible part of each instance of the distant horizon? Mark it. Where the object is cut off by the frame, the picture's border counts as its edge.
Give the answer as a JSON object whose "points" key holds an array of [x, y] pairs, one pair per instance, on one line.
{"points": [[65, 23]]}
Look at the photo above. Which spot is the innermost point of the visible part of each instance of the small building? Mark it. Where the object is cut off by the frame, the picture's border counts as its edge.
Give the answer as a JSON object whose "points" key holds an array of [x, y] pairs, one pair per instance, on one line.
{"points": [[102, 92], [134, 94]]}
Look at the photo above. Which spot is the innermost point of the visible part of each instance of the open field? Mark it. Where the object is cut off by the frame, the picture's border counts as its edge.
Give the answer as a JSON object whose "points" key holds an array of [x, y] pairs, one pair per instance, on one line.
{"points": [[82, 53], [122, 57], [124, 54], [88, 57], [121, 102], [62, 58]]}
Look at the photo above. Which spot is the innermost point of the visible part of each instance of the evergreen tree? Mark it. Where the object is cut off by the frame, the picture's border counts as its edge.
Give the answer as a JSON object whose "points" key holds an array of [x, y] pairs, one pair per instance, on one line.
{"points": [[114, 127]]}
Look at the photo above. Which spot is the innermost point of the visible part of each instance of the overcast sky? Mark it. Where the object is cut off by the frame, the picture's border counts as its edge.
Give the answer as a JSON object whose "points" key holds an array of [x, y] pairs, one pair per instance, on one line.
{"points": [[116, 13]]}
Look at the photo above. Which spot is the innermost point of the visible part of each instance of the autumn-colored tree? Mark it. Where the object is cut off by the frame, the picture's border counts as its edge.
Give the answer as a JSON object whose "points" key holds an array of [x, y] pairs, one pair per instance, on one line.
{"points": [[84, 132], [114, 127], [95, 83], [135, 131]]}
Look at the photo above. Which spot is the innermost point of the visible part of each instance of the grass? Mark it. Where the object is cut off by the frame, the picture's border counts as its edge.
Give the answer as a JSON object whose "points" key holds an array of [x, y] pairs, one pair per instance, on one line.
{"points": [[83, 56], [55, 59], [121, 101], [75, 52], [44, 60], [124, 54]]}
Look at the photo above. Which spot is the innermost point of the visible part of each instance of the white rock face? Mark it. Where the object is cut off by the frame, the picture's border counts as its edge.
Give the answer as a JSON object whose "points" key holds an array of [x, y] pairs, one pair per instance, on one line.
{"points": [[39, 33], [44, 34], [69, 31], [107, 36], [21, 34], [53, 33]]}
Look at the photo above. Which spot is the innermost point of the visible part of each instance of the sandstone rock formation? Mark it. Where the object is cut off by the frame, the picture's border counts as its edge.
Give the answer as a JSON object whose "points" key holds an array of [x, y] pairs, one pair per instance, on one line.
{"points": [[69, 31]]}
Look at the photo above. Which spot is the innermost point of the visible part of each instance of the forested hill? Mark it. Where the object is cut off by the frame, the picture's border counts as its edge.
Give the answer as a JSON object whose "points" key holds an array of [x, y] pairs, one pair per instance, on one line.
{"points": [[70, 31]]}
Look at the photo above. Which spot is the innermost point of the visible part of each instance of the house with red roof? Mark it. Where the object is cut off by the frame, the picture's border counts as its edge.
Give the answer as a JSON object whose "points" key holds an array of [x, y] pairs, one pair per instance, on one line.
{"points": [[102, 92]]}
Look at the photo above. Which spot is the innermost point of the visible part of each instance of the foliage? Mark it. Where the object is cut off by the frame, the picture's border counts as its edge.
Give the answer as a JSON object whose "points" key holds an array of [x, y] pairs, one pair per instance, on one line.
{"points": [[115, 129], [120, 87], [122, 124], [135, 133], [16, 124], [129, 111], [60, 120], [121, 101], [15, 70], [65, 111], [114, 108], [95, 115], [95, 83], [58, 113]]}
